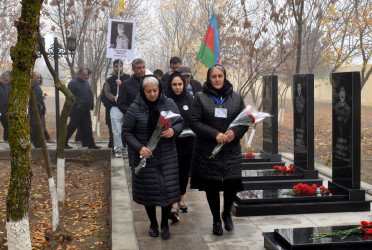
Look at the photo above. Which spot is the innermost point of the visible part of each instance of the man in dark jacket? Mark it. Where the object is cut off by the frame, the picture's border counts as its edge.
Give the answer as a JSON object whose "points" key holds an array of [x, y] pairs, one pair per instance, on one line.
{"points": [[4, 99], [80, 113], [41, 108], [192, 86], [174, 64], [131, 87], [112, 88], [130, 90]]}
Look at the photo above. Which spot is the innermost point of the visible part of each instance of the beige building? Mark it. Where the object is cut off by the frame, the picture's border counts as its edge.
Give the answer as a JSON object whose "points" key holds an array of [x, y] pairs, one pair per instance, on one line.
{"points": [[323, 90]]}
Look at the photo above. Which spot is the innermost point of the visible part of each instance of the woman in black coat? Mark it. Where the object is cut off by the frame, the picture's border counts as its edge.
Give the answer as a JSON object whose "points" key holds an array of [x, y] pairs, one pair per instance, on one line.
{"points": [[157, 183], [176, 90], [213, 109]]}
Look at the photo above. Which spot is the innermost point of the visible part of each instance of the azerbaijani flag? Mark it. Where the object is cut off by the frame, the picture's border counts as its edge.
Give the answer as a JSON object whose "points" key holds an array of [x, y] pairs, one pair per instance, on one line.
{"points": [[209, 52]]}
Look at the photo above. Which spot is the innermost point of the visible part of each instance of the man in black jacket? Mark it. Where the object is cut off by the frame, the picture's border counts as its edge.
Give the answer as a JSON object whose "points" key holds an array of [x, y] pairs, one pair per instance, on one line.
{"points": [[192, 86], [40, 106], [4, 99], [130, 89], [112, 88], [80, 113], [174, 64]]}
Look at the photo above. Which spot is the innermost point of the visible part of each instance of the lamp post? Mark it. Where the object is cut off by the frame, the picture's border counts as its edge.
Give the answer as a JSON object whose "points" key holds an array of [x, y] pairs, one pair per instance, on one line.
{"points": [[56, 51]]}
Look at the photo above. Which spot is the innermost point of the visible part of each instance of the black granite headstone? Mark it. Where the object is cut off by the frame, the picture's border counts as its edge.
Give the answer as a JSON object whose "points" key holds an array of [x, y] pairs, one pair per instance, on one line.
{"points": [[346, 116], [303, 120], [270, 105], [303, 238]]}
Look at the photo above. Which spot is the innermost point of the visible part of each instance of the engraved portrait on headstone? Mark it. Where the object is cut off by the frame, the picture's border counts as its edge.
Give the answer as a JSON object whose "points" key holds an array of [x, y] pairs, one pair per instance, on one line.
{"points": [[300, 100], [267, 102], [342, 109], [299, 114], [342, 121]]}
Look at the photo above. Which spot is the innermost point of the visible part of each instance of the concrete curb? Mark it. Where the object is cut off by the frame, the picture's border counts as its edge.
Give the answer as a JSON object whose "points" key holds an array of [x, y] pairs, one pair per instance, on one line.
{"points": [[77, 153], [123, 230]]}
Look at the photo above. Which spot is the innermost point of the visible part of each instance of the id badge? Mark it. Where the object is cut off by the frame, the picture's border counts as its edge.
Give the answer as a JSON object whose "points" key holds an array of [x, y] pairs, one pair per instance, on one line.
{"points": [[220, 113]]}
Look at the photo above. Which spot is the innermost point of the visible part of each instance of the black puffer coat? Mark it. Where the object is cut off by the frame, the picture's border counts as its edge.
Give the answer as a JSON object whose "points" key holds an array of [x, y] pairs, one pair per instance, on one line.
{"points": [[157, 184], [185, 145], [226, 164]]}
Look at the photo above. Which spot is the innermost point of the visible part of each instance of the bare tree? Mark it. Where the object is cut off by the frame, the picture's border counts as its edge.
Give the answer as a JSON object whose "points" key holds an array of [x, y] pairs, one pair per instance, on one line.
{"points": [[23, 56], [9, 11]]}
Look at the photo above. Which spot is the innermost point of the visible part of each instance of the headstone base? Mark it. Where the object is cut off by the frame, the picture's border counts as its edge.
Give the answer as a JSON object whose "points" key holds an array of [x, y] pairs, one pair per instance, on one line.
{"points": [[271, 157], [302, 238], [278, 201]]}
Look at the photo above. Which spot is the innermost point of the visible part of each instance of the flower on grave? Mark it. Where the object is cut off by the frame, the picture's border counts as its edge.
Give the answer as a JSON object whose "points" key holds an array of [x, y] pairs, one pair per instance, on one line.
{"points": [[364, 228], [305, 190], [323, 191], [284, 169], [280, 170], [248, 155]]}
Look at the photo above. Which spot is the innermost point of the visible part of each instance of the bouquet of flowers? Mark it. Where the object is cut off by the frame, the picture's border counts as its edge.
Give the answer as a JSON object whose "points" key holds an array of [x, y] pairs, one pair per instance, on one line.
{"points": [[284, 170], [166, 120], [248, 155], [306, 190], [364, 228], [247, 117]]}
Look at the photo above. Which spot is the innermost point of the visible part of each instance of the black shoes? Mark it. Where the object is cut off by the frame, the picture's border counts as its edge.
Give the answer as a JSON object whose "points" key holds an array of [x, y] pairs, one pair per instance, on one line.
{"points": [[67, 146], [217, 228], [229, 225], [173, 215], [154, 231], [94, 146], [165, 234]]}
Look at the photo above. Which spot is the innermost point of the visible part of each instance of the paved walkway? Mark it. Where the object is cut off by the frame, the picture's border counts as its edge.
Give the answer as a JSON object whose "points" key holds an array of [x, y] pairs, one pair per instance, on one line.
{"points": [[194, 231]]}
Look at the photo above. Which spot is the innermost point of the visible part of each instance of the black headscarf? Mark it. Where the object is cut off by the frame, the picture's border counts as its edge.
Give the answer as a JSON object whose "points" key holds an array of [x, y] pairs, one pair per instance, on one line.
{"points": [[222, 91], [170, 93], [153, 110]]}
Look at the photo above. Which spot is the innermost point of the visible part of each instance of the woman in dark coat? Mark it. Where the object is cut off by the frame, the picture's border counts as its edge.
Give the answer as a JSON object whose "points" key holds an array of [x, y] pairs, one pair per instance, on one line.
{"points": [[176, 90], [212, 111], [157, 183]]}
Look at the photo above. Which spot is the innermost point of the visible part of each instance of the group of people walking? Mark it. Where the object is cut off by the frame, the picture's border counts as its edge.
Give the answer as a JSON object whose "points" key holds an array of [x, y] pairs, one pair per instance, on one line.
{"points": [[40, 96], [133, 106], [164, 179]]}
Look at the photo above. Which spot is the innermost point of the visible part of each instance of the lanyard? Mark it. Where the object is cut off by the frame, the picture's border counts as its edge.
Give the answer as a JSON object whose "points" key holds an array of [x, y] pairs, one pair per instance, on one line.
{"points": [[219, 102]]}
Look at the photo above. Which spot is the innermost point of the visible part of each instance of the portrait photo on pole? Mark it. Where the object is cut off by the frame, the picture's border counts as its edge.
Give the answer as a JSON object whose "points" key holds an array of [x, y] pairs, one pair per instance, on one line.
{"points": [[120, 39]]}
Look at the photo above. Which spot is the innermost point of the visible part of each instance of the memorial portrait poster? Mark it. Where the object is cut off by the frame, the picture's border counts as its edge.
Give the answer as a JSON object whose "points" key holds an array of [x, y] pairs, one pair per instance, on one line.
{"points": [[120, 39]]}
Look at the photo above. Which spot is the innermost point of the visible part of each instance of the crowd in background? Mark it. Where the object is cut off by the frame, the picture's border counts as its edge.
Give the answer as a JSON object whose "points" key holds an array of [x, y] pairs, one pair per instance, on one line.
{"points": [[133, 103]]}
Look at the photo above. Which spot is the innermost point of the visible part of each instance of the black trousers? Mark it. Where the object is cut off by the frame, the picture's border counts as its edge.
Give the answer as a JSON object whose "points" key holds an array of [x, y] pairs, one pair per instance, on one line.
{"points": [[151, 213], [184, 165], [4, 122], [34, 134], [213, 197], [108, 123], [80, 118]]}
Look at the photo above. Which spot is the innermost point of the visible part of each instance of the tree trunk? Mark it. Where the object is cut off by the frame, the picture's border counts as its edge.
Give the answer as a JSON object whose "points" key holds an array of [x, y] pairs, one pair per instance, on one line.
{"points": [[52, 189], [299, 38], [67, 106], [23, 56]]}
